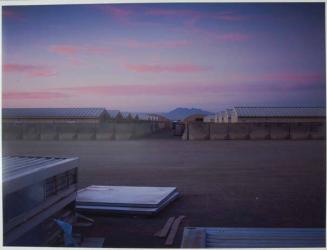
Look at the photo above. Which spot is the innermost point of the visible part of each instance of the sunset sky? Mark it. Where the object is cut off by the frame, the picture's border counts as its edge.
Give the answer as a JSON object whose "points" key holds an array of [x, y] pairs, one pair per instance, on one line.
{"points": [[156, 57]]}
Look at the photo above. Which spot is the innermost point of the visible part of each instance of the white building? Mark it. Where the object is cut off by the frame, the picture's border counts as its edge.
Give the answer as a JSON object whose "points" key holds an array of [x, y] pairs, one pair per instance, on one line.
{"points": [[278, 114], [209, 118]]}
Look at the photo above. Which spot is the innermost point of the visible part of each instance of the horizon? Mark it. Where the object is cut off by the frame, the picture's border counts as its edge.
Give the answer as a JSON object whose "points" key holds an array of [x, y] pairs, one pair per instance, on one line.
{"points": [[150, 58]]}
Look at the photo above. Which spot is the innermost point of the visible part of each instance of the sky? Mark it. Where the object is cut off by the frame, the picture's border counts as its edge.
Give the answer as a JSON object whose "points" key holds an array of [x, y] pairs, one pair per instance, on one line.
{"points": [[157, 57]]}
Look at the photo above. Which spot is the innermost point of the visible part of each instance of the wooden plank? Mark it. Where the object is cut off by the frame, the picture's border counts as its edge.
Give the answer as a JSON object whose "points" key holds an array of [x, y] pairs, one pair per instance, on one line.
{"points": [[78, 215], [173, 231], [164, 231], [194, 238]]}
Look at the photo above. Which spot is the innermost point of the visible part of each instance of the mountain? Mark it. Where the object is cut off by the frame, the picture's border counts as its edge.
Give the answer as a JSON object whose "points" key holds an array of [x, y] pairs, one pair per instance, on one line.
{"points": [[181, 113]]}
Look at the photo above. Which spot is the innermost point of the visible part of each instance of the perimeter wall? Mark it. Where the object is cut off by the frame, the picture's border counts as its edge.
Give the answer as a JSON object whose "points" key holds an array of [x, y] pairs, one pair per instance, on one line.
{"points": [[79, 131], [254, 131]]}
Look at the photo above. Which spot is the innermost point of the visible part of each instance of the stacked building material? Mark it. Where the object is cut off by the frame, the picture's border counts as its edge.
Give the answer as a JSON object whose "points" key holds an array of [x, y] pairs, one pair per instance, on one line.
{"points": [[125, 199], [37, 190], [218, 237]]}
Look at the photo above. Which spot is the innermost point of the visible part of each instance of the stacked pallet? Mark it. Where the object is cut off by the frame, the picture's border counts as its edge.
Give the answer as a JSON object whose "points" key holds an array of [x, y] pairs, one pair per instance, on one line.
{"points": [[125, 199]]}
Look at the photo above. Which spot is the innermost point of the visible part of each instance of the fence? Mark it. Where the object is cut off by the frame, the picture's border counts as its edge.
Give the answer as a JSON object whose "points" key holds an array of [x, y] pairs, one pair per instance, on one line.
{"points": [[254, 131]]}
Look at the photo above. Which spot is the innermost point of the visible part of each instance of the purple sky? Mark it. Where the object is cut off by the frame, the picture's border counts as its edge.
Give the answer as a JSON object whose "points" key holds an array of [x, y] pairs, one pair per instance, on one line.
{"points": [[156, 57]]}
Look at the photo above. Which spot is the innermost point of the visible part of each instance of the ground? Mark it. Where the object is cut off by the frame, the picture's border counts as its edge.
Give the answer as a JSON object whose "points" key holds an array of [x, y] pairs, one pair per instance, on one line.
{"points": [[223, 183]]}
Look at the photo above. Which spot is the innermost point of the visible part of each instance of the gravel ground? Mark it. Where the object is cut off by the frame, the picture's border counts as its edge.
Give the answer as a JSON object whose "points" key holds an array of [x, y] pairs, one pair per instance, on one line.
{"points": [[224, 183]]}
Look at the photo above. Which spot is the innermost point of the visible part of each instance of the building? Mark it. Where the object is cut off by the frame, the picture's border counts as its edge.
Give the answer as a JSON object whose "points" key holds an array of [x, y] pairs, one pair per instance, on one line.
{"points": [[54, 115], [37, 190], [278, 114], [209, 118], [219, 117], [112, 113], [195, 117], [227, 116]]}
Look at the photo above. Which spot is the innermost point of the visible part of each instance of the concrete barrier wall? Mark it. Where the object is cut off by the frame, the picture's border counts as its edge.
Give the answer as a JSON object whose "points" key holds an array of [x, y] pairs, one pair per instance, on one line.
{"points": [[318, 131], [193, 131], [218, 131], [67, 131], [79, 131], [259, 131], [142, 129], [239, 131], [86, 132], [280, 131], [12, 132], [31, 132], [49, 132], [254, 131], [199, 131], [124, 131], [300, 131], [162, 125], [105, 132]]}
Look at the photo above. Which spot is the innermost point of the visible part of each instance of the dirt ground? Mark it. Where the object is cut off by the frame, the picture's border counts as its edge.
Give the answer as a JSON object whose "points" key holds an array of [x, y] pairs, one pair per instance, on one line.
{"points": [[223, 183]]}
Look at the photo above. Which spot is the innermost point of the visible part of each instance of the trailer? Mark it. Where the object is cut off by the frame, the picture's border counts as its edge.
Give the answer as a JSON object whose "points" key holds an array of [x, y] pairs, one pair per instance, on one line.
{"points": [[37, 190]]}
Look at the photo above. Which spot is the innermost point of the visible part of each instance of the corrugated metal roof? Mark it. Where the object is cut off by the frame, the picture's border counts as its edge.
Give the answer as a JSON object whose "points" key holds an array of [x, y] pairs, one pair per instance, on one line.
{"points": [[220, 113], [200, 237], [210, 117], [144, 117], [125, 114], [112, 113], [15, 166], [52, 112], [21, 171], [229, 112], [280, 111]]}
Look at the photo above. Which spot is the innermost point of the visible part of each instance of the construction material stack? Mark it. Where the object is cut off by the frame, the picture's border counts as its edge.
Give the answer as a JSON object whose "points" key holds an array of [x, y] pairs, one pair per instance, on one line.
{"points": [[125, 199]]}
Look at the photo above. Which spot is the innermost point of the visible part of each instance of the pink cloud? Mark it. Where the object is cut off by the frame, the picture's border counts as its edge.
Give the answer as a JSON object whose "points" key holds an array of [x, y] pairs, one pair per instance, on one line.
{"points": [[282, 77], [234, 84], [96, 50], [64, 49], [11, 14], [195, 15], [156, 45], [173, 12], [215, 36], [28, 69], [33, 95], [128, 90], [228, 16], [119, 13], [71, 50], [129, 16], [293, 77], [156, 68], [233, 37]]}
